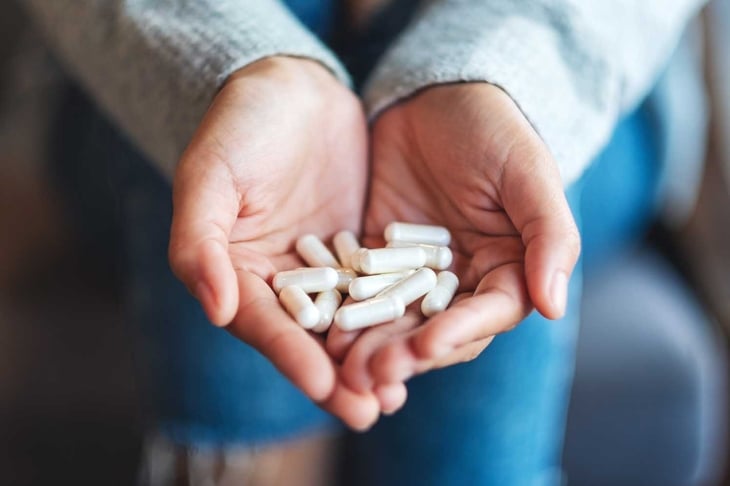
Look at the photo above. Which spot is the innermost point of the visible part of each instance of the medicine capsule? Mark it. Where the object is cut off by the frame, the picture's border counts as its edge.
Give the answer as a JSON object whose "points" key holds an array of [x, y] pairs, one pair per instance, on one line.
{"points": [[356, 258], [387, 260], [327, 304], [438, 299], [298, 304], [437, 257], [369, 313], [418, 233], [310, 280], [409, 289], [346, 245], [363, 288], [314, 253], [344, 277]]}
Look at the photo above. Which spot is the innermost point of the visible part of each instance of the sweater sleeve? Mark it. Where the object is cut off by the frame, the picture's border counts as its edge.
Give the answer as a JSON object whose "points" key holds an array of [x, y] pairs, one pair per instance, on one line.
{"points": [[572, 66], [155, 65]]}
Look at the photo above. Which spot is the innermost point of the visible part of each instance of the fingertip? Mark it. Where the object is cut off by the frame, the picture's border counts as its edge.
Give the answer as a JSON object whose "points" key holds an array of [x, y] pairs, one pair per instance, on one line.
{"points": [[309, 369], [391, 397], [393, 364], [207, 299], [429, 343], [358, 411], [549, 262], [550, 297], [218, 275], [559, 294], [367, 421], [319, 386]]}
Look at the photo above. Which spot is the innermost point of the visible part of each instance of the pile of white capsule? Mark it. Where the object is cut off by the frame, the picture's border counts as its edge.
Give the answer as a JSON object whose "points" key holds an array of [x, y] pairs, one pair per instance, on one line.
{"points": [[382, 281]]}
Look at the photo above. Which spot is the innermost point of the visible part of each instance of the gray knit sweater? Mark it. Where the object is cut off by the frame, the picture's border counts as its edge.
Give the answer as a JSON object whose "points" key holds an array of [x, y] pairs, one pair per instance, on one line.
{"points": [[573, 66]]}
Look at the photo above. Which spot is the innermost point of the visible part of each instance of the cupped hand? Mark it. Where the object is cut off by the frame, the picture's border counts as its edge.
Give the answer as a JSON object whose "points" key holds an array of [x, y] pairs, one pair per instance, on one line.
{"points": [[465, 157], [280, 153]]}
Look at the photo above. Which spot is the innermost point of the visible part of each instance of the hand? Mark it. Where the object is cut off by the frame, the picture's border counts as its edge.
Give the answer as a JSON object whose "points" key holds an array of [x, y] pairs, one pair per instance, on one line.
{"points": [[465, 157], [280, 153]]}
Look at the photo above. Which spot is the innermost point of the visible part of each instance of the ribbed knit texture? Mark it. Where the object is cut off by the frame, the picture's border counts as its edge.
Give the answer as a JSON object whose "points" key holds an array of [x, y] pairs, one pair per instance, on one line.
{"points": [[155, 65], [572, 66]]}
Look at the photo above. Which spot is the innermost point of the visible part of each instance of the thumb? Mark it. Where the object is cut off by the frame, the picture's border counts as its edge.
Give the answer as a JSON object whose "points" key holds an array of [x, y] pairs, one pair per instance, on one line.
{"points": [[205, 207], [532, 194]]}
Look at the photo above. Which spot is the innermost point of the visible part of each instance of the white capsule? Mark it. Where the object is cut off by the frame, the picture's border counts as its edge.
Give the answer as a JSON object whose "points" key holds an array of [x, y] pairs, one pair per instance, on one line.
{"points": [[363, 288], [409, 289], [311, 280], [369, 313], [418, 233], [438, 299], [356, 259], [344, 277], [327, 304], [314, 253], [298, 304], [346, 245], [386, 260], [437, 257]]}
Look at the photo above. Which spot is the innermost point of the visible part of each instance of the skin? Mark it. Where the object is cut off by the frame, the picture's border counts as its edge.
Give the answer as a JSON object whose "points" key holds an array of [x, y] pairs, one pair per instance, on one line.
{"points": [[265, 166], [463, 156], [283, 152]]}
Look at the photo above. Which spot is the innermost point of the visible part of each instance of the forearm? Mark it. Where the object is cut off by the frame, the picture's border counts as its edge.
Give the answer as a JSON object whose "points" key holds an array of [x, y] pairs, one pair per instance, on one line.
{"points": [[573, 67], [155, 65]]}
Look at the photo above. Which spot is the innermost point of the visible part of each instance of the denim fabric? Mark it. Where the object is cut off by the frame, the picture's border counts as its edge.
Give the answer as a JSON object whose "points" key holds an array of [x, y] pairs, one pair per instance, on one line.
{"points": [[318, 15], [500, 419], [204, 385], [497, 420]]}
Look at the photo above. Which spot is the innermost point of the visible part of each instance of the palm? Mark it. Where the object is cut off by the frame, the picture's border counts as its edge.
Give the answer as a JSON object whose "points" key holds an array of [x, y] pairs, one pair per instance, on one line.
{"points": [[444, 170], [281, 152], [462, 156], [418, 183], [313, 186]]}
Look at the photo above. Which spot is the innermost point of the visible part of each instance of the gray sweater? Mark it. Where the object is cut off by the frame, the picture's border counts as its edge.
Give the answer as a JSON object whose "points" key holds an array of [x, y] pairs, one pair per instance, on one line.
{"points": [[573, 66]]}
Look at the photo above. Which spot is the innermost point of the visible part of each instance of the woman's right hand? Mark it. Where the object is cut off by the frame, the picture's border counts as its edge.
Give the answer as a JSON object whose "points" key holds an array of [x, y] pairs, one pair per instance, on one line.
{"points": [[281, 152]]}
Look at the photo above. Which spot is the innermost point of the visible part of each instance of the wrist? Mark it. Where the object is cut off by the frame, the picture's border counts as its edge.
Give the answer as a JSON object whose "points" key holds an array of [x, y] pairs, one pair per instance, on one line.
{"points": [[288, 70]]}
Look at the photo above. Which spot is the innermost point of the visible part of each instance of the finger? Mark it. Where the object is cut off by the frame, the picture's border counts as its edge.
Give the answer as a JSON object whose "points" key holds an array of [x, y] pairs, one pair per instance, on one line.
{"points": [[463, 354], [499, 303], [339, 342], [358, 411], [262, 323], [205, 206], [355, 369], [532, 194], [398, 363], [391, 397]]}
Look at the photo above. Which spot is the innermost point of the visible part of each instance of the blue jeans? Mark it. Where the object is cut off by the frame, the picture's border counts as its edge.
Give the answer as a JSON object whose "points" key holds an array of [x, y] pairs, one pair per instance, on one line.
{"points": [[498, 420]]}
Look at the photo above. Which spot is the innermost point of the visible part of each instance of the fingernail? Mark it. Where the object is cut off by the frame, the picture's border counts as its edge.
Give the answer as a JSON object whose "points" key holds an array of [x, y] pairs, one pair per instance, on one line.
{"points": [[204, 294], [559, 292]]}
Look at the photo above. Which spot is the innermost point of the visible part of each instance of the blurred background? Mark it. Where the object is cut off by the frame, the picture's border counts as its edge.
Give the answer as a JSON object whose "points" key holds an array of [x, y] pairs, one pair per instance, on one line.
{"points": [[68, 405], [650, 400]]}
